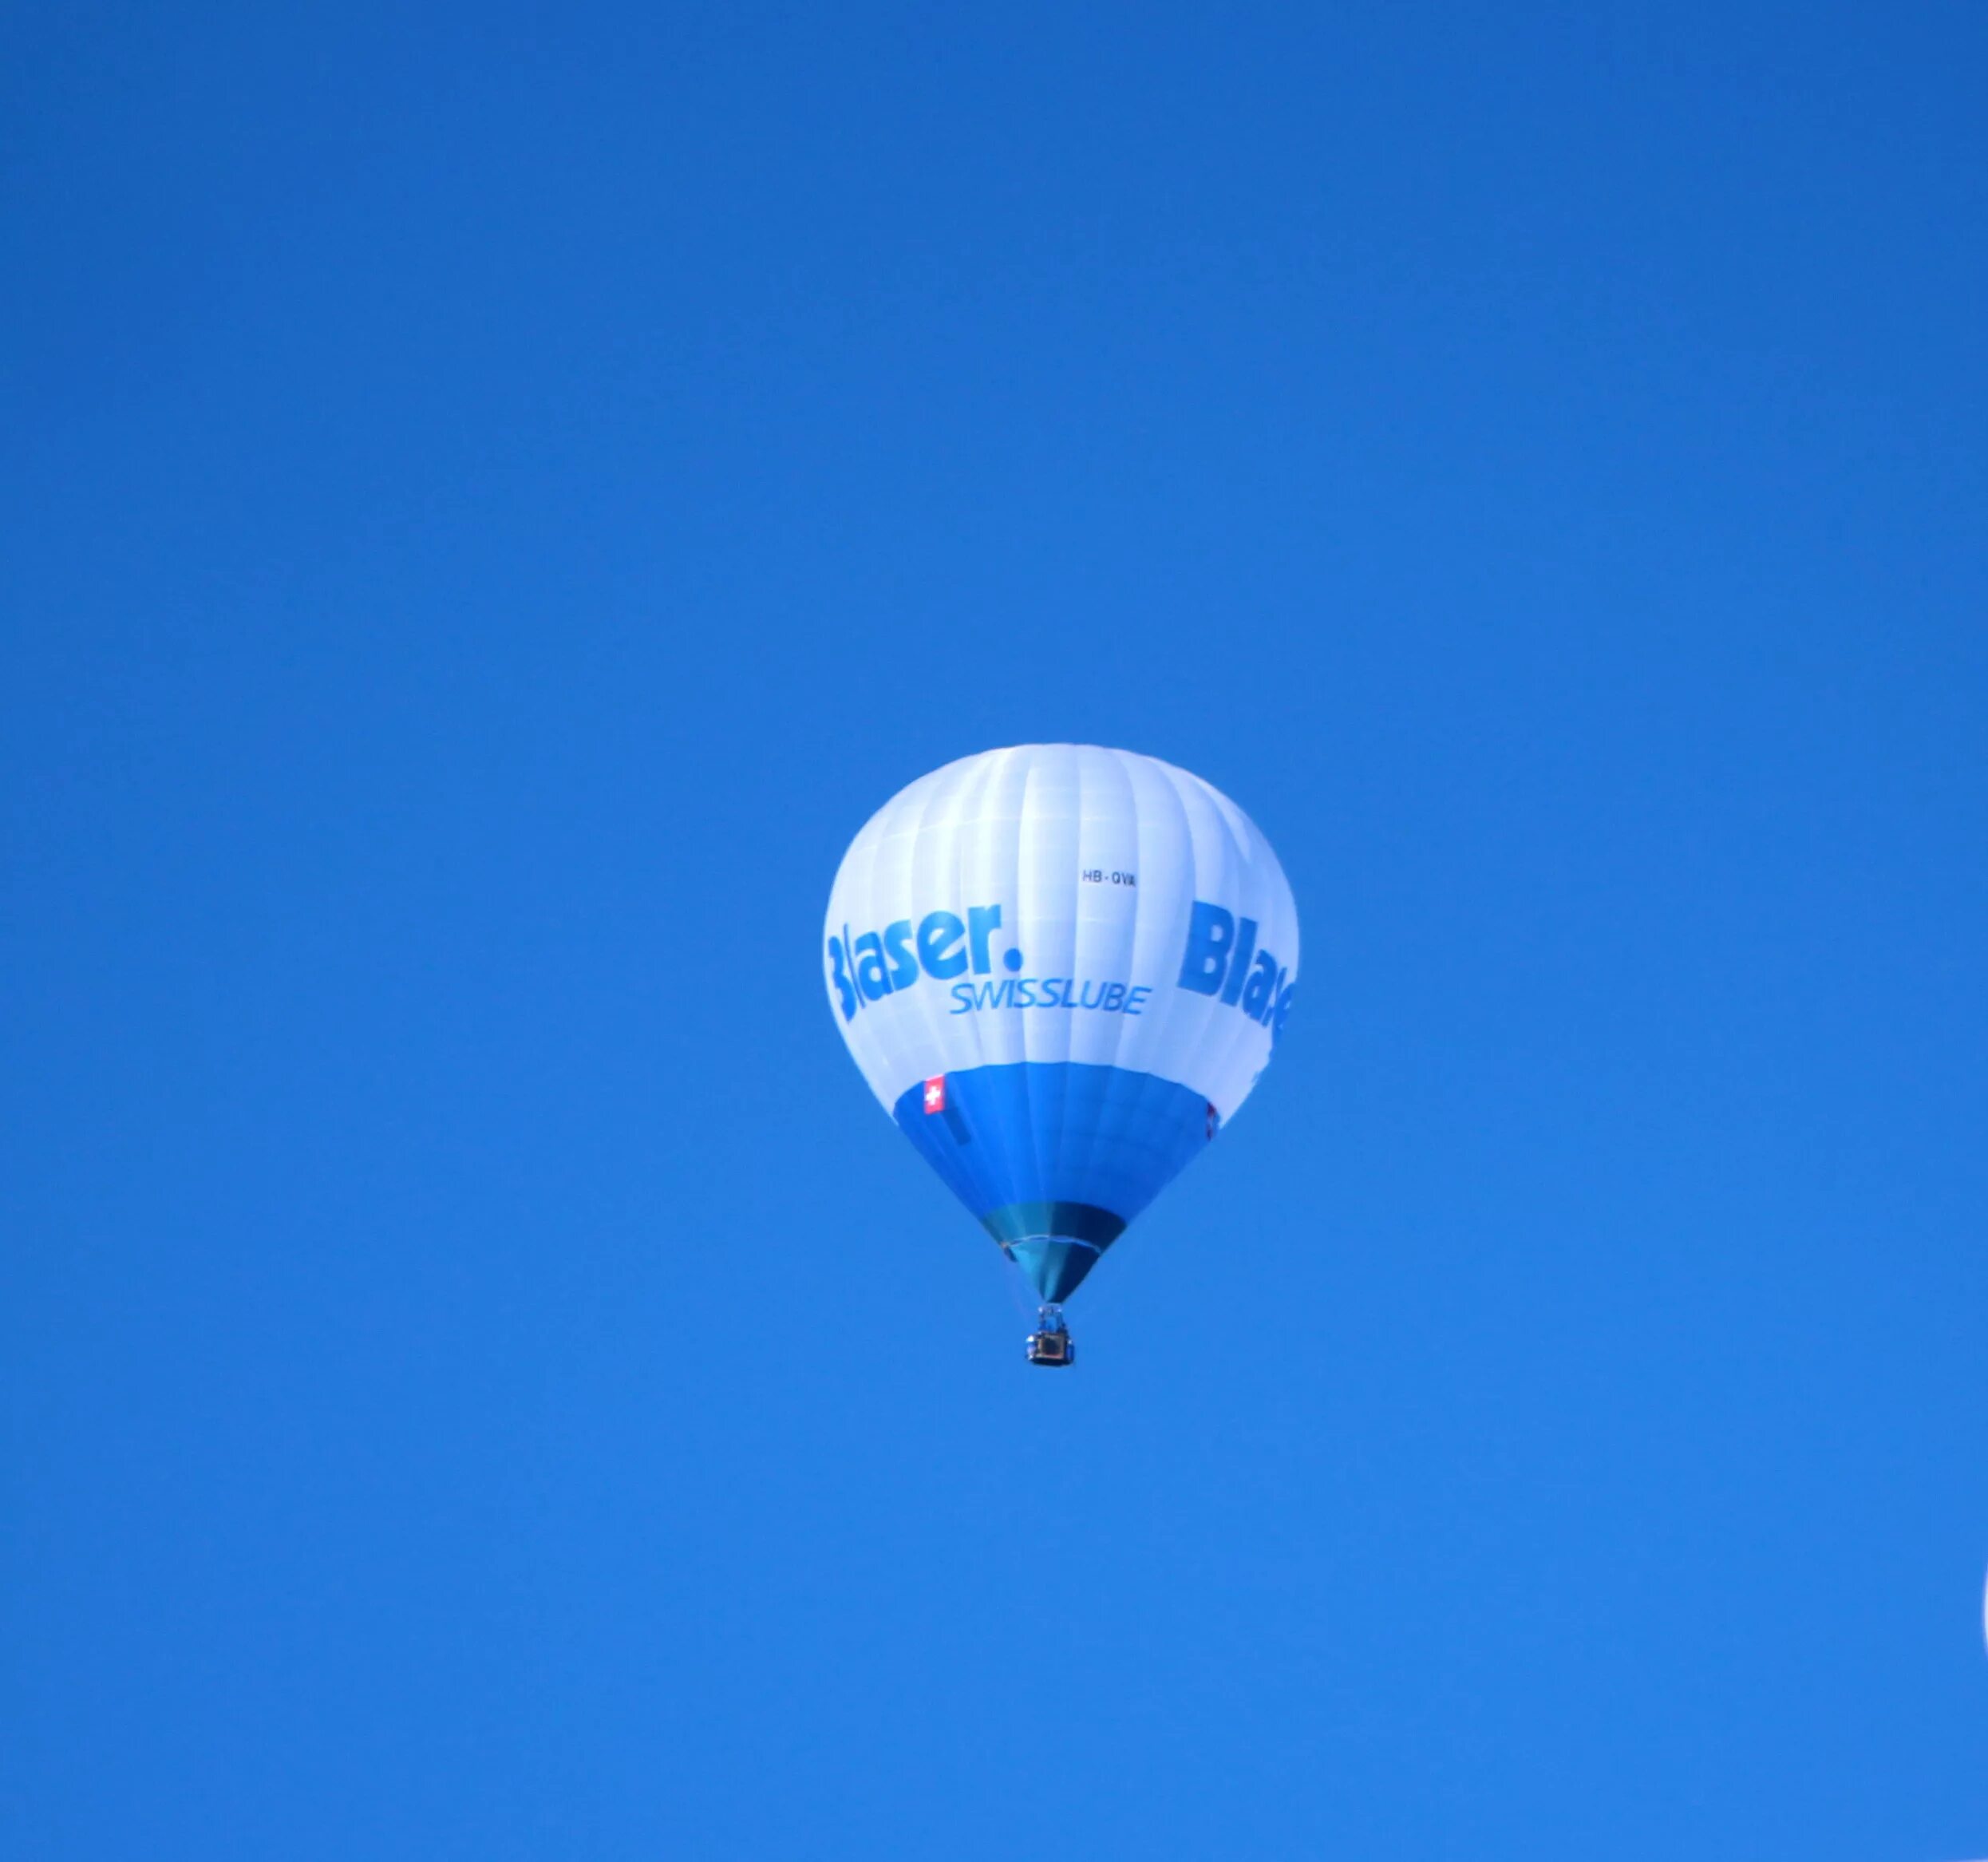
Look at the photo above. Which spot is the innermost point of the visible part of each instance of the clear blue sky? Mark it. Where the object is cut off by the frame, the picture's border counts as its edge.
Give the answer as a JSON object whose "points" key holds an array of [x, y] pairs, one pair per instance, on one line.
{"points": [[491, 498]]}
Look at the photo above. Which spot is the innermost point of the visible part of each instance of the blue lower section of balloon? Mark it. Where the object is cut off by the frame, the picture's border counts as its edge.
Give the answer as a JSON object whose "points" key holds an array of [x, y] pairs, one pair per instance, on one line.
{"points": [[1055, 1157]]}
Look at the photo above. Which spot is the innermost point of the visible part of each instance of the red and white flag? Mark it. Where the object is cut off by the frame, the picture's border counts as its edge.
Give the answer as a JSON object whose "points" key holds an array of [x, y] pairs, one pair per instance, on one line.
{"points": [[935, 1093]]}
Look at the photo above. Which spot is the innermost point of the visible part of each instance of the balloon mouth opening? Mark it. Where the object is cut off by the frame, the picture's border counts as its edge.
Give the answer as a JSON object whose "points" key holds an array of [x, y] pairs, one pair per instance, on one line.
{"points": [[1055, 1265]]}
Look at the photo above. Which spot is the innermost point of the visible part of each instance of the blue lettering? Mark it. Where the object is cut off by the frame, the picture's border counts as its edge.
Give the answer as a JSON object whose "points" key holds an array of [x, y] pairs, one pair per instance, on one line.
{"points": [[845, 989], [982, 921], [1262, 993], [1240, 963], [937, 935], [870, 976], [1047, 992], [1210, 931], [897, 946], [1285, 992], [1222, 957]]}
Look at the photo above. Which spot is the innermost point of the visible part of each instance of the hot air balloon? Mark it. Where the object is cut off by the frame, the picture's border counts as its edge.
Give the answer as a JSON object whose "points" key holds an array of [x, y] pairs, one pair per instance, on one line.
{"points": [[1061, 968]]}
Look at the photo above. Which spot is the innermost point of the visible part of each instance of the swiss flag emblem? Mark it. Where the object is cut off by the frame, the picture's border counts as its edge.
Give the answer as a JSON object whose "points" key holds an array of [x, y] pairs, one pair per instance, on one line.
{"points": [[935, 1094]]}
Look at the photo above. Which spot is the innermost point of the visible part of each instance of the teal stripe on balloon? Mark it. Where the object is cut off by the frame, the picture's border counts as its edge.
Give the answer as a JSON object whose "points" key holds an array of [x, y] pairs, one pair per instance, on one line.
{"points": [[1082, 1222]]}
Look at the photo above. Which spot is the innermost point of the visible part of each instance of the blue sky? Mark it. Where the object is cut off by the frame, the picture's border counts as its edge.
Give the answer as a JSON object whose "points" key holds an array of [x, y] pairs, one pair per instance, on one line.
{"points": [[491, 499]]}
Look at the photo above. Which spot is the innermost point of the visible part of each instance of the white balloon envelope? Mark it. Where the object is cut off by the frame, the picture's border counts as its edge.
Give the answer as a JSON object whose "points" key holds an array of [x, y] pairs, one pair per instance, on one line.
{"points": [[1061, 969]]}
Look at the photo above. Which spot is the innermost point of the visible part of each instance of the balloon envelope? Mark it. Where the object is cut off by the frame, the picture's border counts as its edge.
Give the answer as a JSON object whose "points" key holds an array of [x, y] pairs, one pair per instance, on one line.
{"points": [[1061, 968]]}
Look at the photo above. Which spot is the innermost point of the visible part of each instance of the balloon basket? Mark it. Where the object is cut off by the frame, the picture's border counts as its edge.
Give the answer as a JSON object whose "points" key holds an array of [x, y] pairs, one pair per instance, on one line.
{"points": [[1049, 1343]]}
